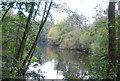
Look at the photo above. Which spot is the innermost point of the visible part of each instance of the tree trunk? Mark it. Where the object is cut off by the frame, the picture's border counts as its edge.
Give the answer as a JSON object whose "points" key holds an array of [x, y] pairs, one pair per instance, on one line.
{"points": [[25, 36], [119, 29], [112, 37], [118, 46], [27, 60]]}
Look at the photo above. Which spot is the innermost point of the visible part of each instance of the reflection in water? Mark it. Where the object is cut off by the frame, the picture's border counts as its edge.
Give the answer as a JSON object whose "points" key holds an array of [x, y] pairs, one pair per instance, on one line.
{"points": [[62, 64], [71, 63], [47, 70]]}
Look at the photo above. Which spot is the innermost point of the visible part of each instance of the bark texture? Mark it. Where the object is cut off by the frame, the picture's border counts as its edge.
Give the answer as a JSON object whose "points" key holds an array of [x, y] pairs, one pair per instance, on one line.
{"points": [[112, 38]]}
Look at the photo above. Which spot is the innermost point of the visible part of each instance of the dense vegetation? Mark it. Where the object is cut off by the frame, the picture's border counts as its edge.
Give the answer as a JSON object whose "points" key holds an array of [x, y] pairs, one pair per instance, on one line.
{"points": [[98, 38], [92, 39], [21, 34], [69, 34]]}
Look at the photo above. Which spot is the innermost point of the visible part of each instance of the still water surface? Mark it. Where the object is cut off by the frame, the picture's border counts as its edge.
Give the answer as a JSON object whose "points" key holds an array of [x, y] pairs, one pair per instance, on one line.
{"points": [[61, 64]]}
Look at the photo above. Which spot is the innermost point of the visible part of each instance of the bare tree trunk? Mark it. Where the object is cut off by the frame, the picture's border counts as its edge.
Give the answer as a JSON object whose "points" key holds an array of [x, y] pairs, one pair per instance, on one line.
{"points": [[112, 37], [25, 36], [32, 50]]}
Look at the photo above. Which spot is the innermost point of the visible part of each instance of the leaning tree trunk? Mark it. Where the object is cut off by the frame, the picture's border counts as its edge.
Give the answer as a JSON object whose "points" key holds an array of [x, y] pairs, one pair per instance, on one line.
{"points": [[27, 60], [25, 35], [112, 38]]}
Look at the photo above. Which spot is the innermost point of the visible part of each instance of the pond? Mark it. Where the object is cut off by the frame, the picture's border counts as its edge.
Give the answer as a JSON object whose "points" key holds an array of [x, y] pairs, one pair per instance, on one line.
{"points": [[60, 64]]}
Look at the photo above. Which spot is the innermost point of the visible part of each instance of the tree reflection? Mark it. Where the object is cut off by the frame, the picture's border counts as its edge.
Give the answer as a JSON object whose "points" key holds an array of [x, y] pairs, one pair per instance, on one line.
{"points": [[71, 63]]}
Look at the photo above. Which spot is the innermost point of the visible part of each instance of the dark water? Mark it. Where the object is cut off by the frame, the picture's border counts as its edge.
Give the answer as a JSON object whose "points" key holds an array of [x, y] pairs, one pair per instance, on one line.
{"points": [[61, 64]]}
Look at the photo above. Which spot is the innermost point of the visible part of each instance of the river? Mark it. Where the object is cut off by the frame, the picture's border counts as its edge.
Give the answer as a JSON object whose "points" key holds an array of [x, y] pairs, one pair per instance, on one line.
{"points": [[60, 64]]}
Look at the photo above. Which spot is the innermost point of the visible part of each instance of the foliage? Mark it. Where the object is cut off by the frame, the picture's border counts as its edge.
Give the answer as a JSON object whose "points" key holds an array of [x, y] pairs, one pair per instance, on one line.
{"points": [[71, 40], [11, 34], [65, 33], [21, 34], [93, 37], [73, 34]]}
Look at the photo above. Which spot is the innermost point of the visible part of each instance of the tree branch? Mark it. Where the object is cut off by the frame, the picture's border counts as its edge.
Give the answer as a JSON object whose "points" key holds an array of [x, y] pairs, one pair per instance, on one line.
{"points": [[31, 52], [5, 14]]}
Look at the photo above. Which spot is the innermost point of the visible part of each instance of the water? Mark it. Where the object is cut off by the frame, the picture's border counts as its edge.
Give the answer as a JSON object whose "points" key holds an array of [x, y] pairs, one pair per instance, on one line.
{"points": [[61, 64]]}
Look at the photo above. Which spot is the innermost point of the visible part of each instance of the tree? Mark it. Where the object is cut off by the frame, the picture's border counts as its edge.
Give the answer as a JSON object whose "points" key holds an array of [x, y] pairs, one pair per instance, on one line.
{"points": [[66, 33], [118, 45], [112, 38], [26, 32], [27, 60], [21, 50]]}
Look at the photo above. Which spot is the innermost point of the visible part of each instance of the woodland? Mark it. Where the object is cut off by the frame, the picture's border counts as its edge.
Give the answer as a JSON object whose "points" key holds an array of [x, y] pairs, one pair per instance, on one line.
{"points": [[23, 31]]}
